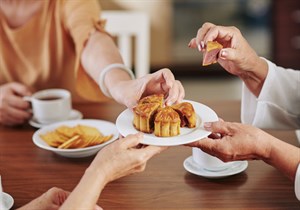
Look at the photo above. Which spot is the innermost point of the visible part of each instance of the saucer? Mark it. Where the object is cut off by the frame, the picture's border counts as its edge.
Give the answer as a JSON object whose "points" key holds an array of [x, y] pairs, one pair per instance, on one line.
{"points": [[74, 115], [235, 168], [8, 200]]}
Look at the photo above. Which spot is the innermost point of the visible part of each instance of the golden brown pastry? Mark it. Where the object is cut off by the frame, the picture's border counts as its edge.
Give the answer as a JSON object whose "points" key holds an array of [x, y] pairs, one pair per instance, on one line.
{"points": [[156, 98], [143, 119], [211, 52], [167, 122], [150, 115], [187, 114]]}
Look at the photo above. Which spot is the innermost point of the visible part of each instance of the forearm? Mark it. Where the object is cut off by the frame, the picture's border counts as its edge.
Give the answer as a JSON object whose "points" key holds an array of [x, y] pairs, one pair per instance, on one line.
{"points": [[87, 192], [283, 156], [99, 52], [254, 79]]}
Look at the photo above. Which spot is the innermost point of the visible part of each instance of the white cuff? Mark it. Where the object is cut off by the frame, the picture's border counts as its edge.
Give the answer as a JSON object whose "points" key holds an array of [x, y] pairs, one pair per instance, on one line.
{"points": [[108, 68], [297, 183]]}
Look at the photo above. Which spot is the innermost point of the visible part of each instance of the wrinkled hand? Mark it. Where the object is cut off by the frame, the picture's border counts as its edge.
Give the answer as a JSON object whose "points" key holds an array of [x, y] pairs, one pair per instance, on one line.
{"points": [[237, 57], [50, 200], [124, 157], [13, 109], [236, 142], [162, 81]]}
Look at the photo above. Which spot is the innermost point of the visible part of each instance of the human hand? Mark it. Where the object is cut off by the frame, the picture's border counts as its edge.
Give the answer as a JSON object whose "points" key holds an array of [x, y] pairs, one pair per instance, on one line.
{"points": [[235, 142], [50, 200], [236, 57], [13, 109], [130, 91], [124, 157]]}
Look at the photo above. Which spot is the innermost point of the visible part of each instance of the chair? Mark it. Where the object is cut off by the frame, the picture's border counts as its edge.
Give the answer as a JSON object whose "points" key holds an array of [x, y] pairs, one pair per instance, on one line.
{"points": [[127, 26]]}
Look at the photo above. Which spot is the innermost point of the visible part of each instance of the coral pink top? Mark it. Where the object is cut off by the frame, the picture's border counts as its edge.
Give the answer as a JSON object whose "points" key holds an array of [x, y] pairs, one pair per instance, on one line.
{"points": [[45, 51]]}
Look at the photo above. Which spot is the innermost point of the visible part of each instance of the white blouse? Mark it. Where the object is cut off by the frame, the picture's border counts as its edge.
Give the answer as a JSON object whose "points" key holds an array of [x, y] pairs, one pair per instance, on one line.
{"points": [[277, 106]]}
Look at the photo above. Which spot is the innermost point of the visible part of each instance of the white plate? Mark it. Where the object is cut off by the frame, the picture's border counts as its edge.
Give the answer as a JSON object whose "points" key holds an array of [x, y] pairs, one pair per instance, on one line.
{"points": [[74, 115], [104, 127], [8, 200], [187, 135], [235, 168]]}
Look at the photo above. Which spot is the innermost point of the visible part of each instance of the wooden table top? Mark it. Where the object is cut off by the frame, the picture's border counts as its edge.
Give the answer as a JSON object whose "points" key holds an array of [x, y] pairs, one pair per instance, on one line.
{"points": [[27, 171]]}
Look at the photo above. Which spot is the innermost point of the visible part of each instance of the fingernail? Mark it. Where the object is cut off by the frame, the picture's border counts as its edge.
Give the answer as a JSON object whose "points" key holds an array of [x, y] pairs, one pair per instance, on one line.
{"points": [[223, 54], [207, 126], [202, 44], [199, 47], [189, 45]]}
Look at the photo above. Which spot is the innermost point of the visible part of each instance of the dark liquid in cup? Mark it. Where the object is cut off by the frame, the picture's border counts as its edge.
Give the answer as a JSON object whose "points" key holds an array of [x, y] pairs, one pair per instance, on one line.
{"points": [[49, 98]]}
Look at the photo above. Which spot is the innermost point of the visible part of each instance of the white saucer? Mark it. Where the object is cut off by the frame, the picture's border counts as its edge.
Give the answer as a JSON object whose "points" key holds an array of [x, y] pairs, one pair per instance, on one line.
{"points": [[235, 168], [8, 200], [74, 115]]}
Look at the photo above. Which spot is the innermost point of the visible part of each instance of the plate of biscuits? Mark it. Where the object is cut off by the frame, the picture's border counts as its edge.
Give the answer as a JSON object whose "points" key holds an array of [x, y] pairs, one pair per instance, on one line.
{"points": [[162, 125], [76, 138]]}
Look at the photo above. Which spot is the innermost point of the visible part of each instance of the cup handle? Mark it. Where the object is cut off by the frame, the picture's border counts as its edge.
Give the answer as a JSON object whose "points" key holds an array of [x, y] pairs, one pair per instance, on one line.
{"points": [[28, 99]]}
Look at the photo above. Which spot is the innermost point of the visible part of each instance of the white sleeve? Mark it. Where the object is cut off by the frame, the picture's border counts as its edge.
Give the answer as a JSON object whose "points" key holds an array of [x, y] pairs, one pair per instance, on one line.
{"points": [[278, 105], [297, 183]]}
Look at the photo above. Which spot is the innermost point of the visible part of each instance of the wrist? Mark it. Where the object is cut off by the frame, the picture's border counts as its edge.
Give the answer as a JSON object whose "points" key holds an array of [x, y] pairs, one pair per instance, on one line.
{"points": [[255, 77], [111, 75], [97, 175], [266, 145]]}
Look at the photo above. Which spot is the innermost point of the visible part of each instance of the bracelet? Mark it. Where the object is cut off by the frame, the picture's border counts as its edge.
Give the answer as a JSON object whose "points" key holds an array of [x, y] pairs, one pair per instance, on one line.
{"points": [[108, 68]]}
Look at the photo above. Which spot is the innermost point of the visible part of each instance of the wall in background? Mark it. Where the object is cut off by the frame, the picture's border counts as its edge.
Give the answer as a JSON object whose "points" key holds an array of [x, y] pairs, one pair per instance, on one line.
{"points": [[175, 22]]}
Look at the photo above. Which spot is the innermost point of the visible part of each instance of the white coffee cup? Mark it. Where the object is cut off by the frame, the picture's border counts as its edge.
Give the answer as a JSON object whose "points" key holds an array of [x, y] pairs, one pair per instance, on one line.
{"points": [[50, 105], [209, 162]]}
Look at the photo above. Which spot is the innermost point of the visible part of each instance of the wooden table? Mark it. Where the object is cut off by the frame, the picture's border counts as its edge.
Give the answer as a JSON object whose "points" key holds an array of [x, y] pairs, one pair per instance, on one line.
{"points": [[27, 171]]}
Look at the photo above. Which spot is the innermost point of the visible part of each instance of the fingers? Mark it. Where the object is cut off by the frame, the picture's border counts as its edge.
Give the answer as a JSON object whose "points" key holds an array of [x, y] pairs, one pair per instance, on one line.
{"points": [[132, 140], [227, 36], [18, 113], [222, 34], [218, 127], [12, 116], [20, 89], [13, 109], [173, 87], [168, 77], [163, 81], [229, 54], [176, 93], [18, 102], [205, 144], [198, 41], [206, 27], [150, 151]]}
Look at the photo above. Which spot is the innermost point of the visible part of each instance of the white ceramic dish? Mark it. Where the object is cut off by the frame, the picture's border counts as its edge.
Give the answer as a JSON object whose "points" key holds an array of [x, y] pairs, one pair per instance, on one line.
{"points": [[104, 127], [8, 200], [235, 168], [187, 135], [74, 115]]}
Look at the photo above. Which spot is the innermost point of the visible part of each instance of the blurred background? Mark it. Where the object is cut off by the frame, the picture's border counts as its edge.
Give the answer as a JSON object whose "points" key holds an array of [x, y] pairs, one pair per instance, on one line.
{"points": [[272, 27]]}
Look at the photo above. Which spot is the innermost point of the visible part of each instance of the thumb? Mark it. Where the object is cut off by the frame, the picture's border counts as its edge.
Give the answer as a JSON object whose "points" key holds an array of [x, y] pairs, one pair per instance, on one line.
{"points": [[20, 89], [229, 54], [217, 127]]}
